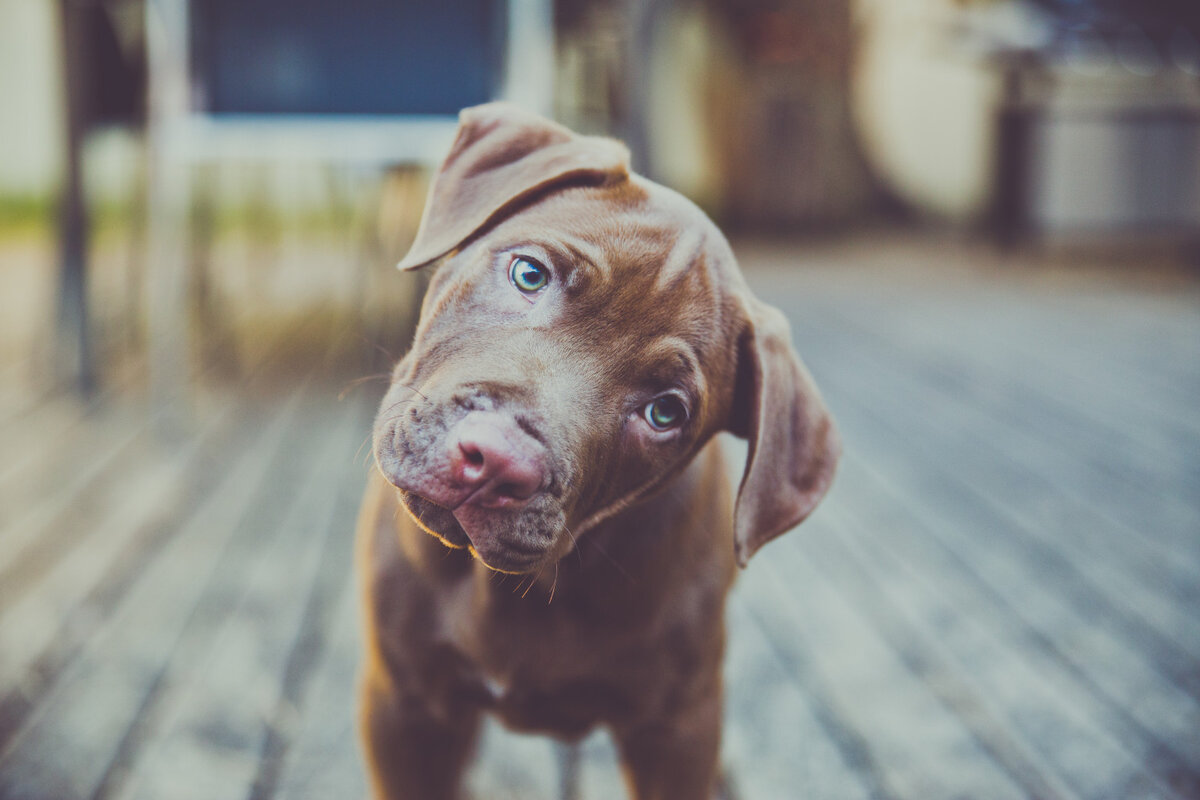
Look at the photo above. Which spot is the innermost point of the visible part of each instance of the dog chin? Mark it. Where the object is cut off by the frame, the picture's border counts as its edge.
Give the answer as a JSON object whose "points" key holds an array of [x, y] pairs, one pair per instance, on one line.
{"points": [[501, 553]]}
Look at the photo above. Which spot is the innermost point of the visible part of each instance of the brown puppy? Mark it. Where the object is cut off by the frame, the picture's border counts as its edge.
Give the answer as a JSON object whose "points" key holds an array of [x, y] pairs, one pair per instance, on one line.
{"points": [[586, 334]]}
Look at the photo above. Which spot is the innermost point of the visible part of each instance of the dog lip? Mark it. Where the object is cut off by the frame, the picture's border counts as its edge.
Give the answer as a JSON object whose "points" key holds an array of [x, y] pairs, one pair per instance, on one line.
{"points": [[406, 488], [499, 503], [507, 559], [454, 537], [412, 493]]}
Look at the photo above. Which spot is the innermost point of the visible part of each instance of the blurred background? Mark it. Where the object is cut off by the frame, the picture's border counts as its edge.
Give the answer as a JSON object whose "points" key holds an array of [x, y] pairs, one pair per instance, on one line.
{"points": [[981, 216], [1038, 123]]}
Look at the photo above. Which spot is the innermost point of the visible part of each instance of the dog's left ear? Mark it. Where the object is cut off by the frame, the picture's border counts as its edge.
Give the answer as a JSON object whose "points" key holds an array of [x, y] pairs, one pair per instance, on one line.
{"points": [[501, 156], [793, 442]]}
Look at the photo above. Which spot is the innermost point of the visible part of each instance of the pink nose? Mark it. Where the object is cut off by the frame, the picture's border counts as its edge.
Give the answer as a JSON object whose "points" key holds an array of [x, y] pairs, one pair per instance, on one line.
{"points": [[495, 461]]}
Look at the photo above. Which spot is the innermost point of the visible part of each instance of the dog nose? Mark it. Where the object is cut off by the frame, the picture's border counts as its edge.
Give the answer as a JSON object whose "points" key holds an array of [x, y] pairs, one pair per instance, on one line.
{"points": [[495, 460]]}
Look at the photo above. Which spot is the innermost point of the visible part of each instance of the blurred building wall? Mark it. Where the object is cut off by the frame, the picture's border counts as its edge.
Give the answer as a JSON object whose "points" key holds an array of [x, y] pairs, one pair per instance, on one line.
{"points": [[1116, 152], [924, 111], [31, 88], [31, 115]]}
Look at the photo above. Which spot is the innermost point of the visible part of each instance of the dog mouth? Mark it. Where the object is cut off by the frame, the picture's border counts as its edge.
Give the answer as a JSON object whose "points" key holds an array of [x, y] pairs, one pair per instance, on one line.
{"points": [[494, 539]]}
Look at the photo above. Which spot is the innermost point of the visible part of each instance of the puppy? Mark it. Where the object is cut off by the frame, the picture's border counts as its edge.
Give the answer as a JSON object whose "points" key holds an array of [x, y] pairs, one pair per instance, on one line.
{"points": [[584, 336]]}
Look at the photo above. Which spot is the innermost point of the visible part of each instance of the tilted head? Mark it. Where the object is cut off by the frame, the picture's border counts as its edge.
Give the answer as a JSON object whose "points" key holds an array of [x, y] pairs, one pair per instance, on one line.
{"points": [[586, 333]]}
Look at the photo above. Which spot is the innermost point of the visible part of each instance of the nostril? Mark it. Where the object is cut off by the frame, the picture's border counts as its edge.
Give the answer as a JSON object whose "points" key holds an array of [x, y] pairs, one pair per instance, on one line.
{"points": [[473, 466], [473, 455]]}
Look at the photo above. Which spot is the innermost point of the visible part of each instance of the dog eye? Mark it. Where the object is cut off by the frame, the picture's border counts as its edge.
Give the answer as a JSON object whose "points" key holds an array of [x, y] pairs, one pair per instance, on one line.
{"points": [[527, 275], [665, 412]]}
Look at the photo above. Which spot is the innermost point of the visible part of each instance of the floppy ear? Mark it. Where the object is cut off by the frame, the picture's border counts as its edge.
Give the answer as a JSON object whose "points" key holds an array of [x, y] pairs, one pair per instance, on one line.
{"points": [[501, 156], [794, 444]]}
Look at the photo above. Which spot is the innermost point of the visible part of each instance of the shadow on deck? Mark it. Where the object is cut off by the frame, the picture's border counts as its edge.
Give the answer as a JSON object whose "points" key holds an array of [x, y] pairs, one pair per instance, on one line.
{"points": [[1000, 598]]}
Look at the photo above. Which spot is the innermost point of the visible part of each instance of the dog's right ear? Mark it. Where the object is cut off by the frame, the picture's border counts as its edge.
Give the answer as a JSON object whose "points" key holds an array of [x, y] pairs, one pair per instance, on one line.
{"points": [[501, 156]]}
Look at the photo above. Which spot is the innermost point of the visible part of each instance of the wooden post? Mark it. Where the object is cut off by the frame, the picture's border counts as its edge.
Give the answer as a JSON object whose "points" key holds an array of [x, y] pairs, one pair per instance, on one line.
{"points": [[640, 18], [73, 361], [168, 191], [1014, 129]]}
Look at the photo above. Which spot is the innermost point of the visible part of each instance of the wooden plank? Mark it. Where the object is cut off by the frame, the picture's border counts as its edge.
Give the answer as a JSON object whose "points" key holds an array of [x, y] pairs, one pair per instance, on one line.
{"points": [[93, 541], [1108, 372], [324, 760], [41, 425], [1113, 446], [817, 754], [1017, 475], [511, 766], [1149, 327], [1023, 723], [597, 771], [102, 526], [72, 744], [36, 649], [1149, 336], [1123, 659], [1025, 671], [1005, 334], [1099, 393], [82, 612], [130, 491], [922, 455], [86, 470], [217, 712], [316, 626], [1008, 469], [775, 743], [44, 424], [893, 726]]}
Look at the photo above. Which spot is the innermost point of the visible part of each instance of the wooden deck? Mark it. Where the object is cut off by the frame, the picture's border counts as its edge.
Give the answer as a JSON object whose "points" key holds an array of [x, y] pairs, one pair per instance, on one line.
{"points": [[1000, 599]]}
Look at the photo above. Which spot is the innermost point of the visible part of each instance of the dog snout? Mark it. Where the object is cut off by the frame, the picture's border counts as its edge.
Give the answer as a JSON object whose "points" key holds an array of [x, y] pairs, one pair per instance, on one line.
{"points": [[495, 461]]}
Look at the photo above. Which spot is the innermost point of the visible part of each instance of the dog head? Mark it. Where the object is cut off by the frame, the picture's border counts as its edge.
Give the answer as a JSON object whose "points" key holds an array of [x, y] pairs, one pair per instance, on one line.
{"points": [[585, 334]]}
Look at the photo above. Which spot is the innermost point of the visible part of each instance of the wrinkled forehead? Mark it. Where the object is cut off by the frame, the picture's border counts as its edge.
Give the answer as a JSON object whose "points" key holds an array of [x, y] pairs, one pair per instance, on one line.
{"points": [[635, 244]]}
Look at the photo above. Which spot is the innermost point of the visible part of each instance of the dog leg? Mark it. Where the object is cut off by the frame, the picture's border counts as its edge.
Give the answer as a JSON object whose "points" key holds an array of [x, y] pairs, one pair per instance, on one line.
{"points": [[675, 760], [411, 754]]}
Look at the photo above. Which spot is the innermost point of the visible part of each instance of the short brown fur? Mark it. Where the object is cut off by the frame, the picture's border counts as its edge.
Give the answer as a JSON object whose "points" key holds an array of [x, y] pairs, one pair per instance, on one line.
{"points": [[626, 549]]}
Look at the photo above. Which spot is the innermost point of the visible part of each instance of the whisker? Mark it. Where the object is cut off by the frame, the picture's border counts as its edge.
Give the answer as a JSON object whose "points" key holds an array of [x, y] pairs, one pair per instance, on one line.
{"points": [[360, 381], [403, 400], [395, 405], [538, 576], [575, 545], [413, 389], [377, 346], [359, 451]]}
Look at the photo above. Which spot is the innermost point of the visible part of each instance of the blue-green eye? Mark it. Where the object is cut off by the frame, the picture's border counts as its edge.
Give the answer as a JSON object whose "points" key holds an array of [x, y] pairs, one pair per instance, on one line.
{"points": [[666, 412], [527, 275]]}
